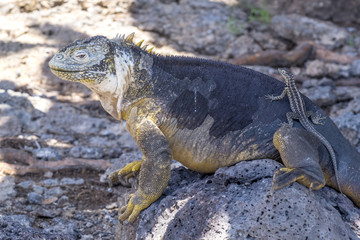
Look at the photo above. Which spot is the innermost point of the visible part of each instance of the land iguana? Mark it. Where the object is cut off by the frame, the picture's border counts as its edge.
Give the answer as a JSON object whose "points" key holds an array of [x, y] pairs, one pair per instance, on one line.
{"points": [[203, 113], [299, 112]]}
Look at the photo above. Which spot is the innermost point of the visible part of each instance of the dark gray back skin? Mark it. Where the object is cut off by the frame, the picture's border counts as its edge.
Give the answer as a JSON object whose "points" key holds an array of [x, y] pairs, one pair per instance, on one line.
{"points": [[234, 97]]}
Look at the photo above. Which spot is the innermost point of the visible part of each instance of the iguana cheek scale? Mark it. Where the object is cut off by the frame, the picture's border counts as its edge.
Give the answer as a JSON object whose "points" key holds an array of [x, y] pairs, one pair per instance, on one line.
{"points": [[202, 113]]}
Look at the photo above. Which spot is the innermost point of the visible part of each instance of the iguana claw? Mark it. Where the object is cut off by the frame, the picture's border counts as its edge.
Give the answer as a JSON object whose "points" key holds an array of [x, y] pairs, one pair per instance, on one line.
{"points": [[127, 172], [137, 202]]}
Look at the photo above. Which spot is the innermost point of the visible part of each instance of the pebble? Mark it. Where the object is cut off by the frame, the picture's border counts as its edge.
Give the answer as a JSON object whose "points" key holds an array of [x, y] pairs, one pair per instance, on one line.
{"points": [[47, 154], [355, 68], [69, 212], [26, 184], [48, 213], [111, 205], [63, 200], [49, 200], [34, 198], [89, 224], [7, 187], [38, 189], [86, 237], [54, 192], [48, 174], [71, 181], [86, 152], [50, 182]]}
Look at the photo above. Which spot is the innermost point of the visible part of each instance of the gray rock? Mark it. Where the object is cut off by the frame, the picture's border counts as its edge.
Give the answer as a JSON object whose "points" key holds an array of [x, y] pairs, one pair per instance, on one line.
{"points": [[38, 189], [351, 106], [50, 182], [298, 28], [34, 198], [343, 93], [241, 46], [349, 125], [204, 27], [18, 227], [87, 237], [71, 181], [47, 213], [355, 68], [235, 203], [63, 200], [86, 152], [322, 95], [334, 10], [7, 187], [47, 154], [317, 68], [9, 125], [347, 93], [4, 84], [54, 192], [26, 184]]}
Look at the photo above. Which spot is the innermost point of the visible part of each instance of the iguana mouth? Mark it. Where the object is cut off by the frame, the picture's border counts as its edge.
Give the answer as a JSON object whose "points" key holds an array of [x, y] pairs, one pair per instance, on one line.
{"points": [[63, 70]]}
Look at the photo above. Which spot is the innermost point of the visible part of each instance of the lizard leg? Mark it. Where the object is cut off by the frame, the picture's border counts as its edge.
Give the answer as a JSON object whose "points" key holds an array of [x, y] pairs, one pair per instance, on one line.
{"points": [[299, 152], [155, 168], [290, 116], [316, 118], [275, 98], [127, 172]]}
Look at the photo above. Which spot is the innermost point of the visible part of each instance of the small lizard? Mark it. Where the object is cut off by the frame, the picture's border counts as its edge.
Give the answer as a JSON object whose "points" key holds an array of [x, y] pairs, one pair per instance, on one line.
{"points": [[299, 112]]}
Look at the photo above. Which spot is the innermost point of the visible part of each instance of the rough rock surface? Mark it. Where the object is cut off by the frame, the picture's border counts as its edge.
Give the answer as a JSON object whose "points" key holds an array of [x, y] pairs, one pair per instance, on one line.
{"points": [[201, 25], [299, 28], [330, 10], [236, 203]]}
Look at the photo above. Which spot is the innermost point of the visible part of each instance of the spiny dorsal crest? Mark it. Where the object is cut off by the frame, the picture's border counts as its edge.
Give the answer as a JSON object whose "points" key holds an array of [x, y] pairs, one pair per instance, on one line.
{"points": [[128, 40]]}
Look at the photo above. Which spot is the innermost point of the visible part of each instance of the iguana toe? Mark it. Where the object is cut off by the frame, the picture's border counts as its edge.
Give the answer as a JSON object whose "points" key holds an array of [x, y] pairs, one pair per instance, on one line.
{"points": [[129, 171], [136, 204]]}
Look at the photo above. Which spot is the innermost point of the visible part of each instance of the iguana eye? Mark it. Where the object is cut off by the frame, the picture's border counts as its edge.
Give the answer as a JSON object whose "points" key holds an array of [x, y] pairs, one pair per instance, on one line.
{"points": [[81, 56], [59, 57]]}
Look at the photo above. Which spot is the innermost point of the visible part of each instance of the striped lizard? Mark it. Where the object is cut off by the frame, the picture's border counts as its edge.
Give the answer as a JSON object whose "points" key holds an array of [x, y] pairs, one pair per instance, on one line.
{"points": [[299, 112]]}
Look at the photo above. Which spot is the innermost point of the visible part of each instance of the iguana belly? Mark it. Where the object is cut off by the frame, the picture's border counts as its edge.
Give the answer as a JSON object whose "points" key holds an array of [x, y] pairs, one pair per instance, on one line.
{"points": [[201, 152]]}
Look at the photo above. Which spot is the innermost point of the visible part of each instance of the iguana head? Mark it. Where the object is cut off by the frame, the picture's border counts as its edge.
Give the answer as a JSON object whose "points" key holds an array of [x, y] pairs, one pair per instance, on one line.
{"points": [[87, 61], [106, 66]]}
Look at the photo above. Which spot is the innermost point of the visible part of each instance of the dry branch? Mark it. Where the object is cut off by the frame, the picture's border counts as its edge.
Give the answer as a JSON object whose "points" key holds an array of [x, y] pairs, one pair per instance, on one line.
{"points": [[25, 163]]}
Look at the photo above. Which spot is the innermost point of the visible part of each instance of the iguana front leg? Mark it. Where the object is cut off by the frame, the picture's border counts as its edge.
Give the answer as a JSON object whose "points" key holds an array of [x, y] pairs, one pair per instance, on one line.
{"points": [[155, 169]]}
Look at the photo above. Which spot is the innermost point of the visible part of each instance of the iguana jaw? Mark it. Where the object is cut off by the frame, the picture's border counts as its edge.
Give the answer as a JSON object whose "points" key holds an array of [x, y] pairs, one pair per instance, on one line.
{"points": [[77, 76]]}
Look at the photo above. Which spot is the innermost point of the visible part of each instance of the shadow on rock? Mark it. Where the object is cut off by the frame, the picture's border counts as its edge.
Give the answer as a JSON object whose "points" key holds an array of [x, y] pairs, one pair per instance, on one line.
{"points": [[235, 203]]}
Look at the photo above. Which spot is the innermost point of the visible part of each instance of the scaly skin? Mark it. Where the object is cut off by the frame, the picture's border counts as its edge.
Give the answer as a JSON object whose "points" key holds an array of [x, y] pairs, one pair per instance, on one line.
{"points": [[202, 113], [298, 111]]}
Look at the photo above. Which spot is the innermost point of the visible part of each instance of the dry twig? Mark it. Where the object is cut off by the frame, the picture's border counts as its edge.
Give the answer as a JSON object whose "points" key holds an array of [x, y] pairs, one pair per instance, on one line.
{"points": [[25, 163]]}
